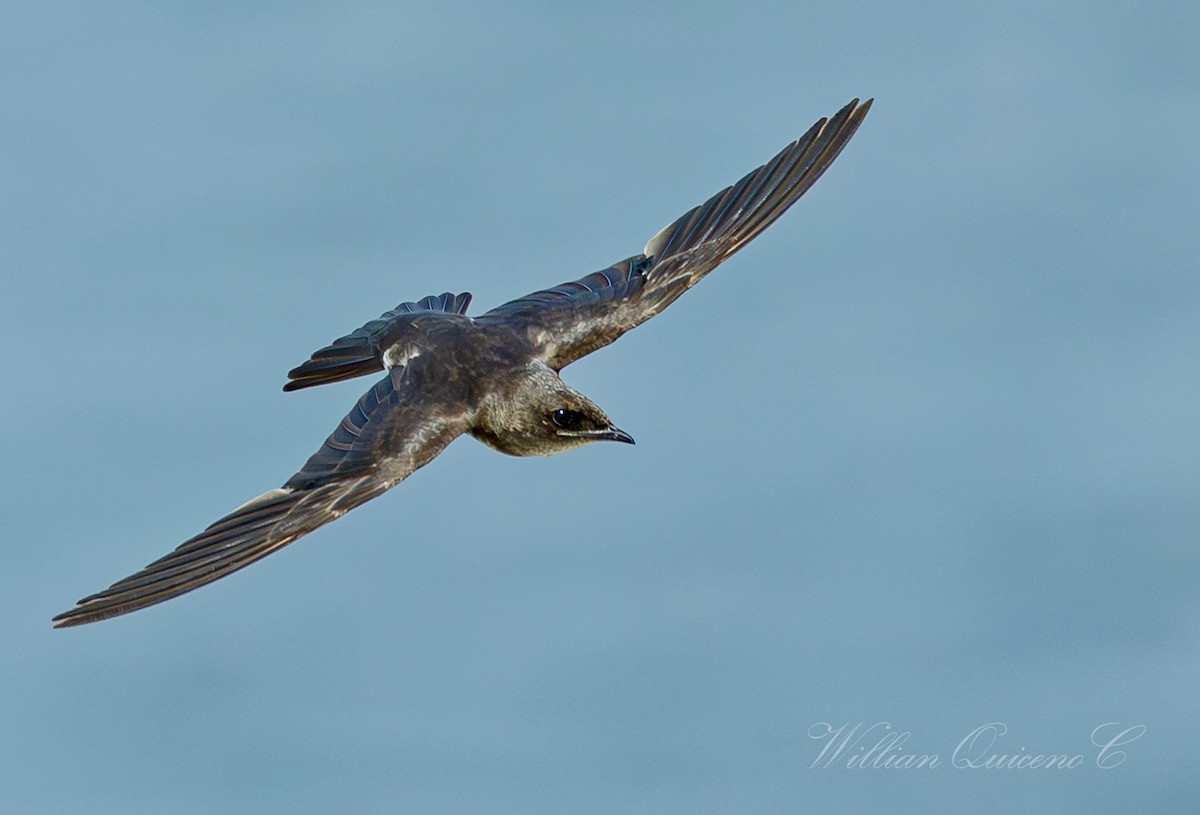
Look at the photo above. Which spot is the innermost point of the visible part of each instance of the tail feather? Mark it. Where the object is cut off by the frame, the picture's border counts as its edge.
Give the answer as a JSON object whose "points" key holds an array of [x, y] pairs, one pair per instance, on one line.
{"points": [[324, 371]]}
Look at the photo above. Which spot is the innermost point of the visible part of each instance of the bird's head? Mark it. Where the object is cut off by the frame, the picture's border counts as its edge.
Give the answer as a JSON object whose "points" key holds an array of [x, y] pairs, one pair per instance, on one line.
{"points": [[541, 415]]}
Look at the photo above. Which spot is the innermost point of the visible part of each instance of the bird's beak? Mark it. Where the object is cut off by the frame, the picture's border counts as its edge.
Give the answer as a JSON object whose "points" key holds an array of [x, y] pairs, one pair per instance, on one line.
{"points": [[607, 434], [613, 434]]}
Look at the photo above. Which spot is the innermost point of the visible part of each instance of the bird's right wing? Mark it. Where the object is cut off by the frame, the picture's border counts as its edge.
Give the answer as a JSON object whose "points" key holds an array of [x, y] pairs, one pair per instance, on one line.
{"points": [[396, 427], [364, 351], [573, 319]]}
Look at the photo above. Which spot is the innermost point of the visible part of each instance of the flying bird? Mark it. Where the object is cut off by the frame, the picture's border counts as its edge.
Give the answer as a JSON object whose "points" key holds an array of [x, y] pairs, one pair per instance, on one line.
{"points": [[495, 376]]}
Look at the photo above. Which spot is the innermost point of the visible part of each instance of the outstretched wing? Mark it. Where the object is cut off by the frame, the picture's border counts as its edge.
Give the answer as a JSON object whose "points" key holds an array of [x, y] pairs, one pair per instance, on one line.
{"points": [[395, 428], [364, 350], [574, 319]]}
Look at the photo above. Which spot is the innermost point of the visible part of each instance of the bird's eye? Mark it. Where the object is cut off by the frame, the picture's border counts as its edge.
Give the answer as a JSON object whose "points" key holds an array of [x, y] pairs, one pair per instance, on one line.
{"points": [[567, 419]]}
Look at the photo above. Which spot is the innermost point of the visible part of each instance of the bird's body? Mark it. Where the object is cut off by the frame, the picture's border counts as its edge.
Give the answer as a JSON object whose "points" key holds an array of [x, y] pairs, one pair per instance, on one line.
{"points": [[495, 377]]}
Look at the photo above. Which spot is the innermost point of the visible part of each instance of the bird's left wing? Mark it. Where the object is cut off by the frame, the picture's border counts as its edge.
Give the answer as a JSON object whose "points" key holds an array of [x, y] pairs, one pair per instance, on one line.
{"points": [[396, 427], [568, 321]]}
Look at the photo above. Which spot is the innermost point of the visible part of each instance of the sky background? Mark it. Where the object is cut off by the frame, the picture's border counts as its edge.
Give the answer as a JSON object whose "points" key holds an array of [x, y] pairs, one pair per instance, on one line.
{"points": [[925, 453]]}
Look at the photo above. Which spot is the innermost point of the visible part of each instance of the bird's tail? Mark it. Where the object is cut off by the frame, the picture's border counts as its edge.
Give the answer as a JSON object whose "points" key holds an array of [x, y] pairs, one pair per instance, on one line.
{"points": [[361, 351]]}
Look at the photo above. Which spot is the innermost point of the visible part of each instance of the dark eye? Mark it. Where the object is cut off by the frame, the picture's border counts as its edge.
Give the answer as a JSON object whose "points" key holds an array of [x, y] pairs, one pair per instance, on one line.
{"points": [[567, 419]]}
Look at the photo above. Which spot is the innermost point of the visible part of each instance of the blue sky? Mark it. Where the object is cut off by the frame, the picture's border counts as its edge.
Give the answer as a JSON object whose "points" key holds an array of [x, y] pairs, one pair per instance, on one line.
{"points": [[925, 453]]}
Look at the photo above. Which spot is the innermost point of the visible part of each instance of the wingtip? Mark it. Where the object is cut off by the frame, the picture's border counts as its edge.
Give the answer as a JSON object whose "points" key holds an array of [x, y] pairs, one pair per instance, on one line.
{"points": [[68, 619], [858, 110], [855, 107], [84, 613]]}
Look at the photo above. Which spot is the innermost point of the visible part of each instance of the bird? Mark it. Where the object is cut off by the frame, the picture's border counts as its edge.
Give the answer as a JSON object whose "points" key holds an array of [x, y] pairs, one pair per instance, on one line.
{"points": [[494, 376]]}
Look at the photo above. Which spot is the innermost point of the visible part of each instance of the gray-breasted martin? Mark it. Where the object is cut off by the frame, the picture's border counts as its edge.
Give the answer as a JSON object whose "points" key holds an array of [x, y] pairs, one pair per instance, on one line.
{"points": [[494, 376]]}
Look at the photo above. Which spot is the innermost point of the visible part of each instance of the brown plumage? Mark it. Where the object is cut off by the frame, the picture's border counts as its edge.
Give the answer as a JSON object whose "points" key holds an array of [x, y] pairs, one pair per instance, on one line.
{"points": [[494, 376]]}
